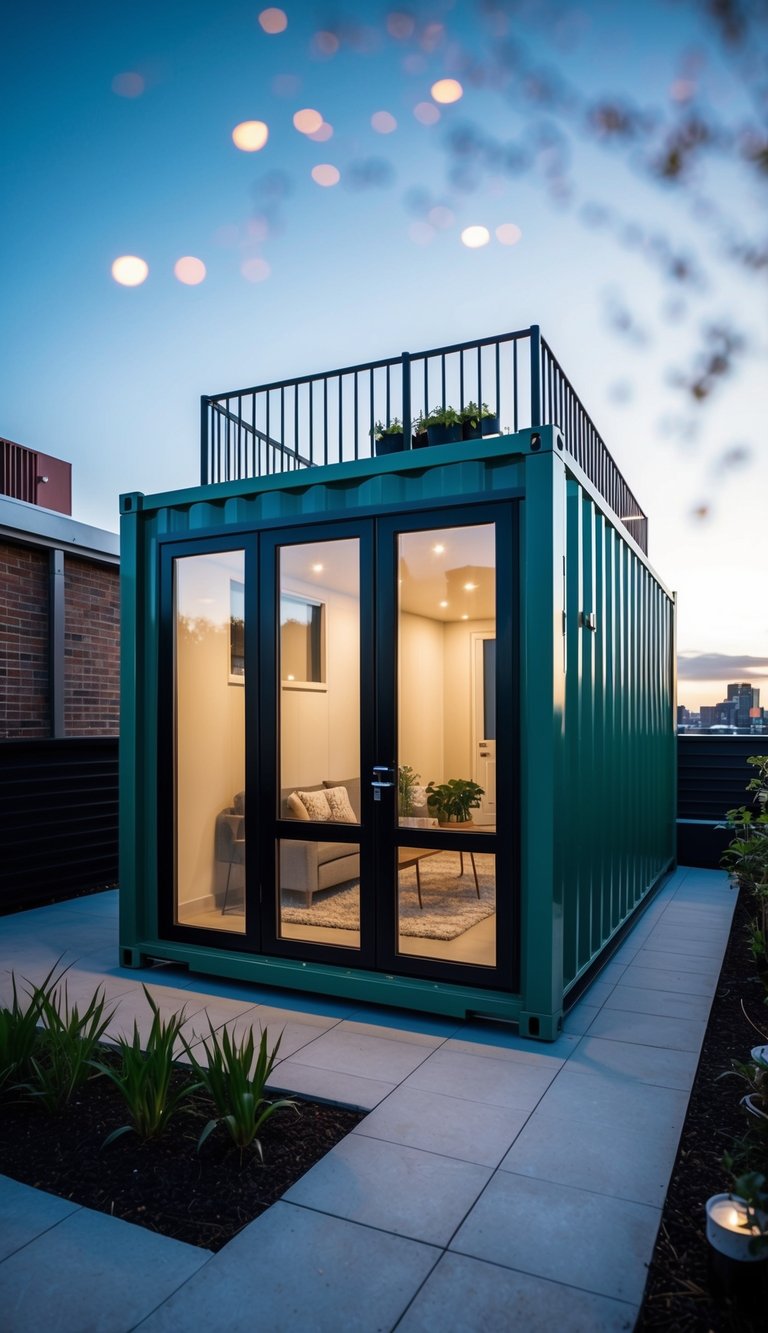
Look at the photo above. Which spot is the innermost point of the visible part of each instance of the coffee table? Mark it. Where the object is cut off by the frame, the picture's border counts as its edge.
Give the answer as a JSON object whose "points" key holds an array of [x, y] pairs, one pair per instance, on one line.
{"points": [[411, 856]]}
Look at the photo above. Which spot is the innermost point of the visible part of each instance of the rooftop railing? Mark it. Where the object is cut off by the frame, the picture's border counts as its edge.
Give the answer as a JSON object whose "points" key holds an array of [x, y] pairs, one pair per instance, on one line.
{"points": [[332, 417]]}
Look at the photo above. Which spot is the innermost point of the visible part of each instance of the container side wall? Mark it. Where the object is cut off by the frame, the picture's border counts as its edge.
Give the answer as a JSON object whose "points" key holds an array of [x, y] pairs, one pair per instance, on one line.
{"points": [[618, 814]]}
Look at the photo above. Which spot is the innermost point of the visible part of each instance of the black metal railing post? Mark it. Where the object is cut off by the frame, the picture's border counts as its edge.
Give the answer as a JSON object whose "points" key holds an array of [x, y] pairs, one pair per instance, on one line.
{"points": [[407, 436], [536, 413], [203, 440]]}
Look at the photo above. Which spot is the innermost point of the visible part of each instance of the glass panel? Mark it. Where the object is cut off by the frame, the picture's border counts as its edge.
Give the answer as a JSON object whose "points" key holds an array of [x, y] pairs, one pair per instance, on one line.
{"points": [[446, 905], [209, 665], [319, 703], [446, 677], [319, 896]]}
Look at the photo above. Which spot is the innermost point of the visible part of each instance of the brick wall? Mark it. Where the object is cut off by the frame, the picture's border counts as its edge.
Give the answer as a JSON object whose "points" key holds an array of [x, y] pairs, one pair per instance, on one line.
{"points": [[24, 704], [91, 649], [91, 645]]}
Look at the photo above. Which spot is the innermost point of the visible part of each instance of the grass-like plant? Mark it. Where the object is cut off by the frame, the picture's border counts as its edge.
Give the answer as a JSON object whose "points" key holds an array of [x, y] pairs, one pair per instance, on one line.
{"points": [[746, 859], [18, 1028], [235, 1082], [64, 1046], [144, 1075]]}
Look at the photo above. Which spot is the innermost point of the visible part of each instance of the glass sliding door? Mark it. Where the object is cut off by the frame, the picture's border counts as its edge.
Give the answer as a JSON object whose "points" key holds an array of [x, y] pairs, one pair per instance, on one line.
{"points": [[209, 740], [318, 712]]}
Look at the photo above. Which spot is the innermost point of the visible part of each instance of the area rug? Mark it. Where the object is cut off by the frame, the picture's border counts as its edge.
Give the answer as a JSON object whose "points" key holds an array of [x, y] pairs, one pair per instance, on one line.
{"points": [[450, 907]]}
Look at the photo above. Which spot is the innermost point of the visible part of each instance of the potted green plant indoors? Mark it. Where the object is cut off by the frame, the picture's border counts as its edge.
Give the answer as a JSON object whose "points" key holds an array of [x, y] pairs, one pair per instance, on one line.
{"points": [[452, 801], [477, 421], [388, 439]]}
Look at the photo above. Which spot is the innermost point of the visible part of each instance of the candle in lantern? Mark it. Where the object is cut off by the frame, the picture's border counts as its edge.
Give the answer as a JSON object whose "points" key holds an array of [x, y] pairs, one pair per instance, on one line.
{"points": [[729, 1230]]}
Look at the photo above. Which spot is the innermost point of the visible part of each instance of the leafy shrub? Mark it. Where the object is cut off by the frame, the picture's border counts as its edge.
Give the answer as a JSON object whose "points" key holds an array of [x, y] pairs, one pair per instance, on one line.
{"points": [[236, 1084], [18, 1028], [144, 1077], [746, 859], [64, 1046]]}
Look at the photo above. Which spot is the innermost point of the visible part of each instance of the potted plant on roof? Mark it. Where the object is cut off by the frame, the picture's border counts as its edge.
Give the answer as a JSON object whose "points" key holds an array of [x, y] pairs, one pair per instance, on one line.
{"points": [[442, 425], [388, 439], [477, 421], [451, 802]]}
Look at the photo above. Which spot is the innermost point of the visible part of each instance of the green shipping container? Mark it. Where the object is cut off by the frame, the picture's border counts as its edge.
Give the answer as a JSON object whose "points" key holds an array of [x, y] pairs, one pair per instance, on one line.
{"points": [[396, 728]]}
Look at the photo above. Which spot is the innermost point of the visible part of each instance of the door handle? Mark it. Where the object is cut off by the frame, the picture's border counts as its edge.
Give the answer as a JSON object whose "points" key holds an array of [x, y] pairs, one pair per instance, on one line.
{"points": [[382, 776]]}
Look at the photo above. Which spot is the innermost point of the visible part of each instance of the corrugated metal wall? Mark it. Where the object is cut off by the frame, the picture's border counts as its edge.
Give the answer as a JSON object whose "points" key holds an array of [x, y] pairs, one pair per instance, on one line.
{"points": [[619, 741]]}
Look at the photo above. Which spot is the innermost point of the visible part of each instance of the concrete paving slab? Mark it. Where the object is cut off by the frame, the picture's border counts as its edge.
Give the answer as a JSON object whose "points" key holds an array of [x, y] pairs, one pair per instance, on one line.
{"points": [[668, 1004], [26, 1213], [477, 1078], [578, 1021], [671, 960], [446, 1125], [422, 1195], [644, 1064], [500, 1043], [294, 1269], [352, 1052], [567, 1235], [326, 1085], [675, 1034], [462, 1294], [92, 1274], [685, 983], [607, 1098], [616, 1159]]}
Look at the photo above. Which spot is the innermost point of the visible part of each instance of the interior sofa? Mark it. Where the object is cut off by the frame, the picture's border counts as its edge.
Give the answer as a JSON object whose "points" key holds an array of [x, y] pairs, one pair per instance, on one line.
{"points": [[306, 867]]}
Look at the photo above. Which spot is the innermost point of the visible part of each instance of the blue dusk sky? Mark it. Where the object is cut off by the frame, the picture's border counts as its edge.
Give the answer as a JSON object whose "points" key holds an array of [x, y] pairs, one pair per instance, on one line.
{"points": [[622, 141]]}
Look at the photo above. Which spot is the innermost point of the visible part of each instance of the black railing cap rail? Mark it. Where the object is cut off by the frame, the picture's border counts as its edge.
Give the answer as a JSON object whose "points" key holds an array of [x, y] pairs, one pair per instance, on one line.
{"points": [[380, 364]]}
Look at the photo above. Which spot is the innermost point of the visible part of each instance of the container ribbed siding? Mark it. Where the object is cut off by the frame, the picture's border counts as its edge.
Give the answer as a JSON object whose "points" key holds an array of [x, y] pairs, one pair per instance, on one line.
{"points": [[618, 737], [596, 716]]}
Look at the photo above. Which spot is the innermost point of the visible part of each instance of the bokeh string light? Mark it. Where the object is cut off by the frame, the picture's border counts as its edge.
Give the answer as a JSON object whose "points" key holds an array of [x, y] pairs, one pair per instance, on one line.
{"points": [[130, 270], [447, 91], [190, 271], [325, 174], [250, 135], [307, 121], [273, 21]]}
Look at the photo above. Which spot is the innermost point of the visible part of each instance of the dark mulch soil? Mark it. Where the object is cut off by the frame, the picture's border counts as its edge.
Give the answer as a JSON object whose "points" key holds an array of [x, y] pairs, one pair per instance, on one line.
{"points": [[679, 1293], [165, 1185]]}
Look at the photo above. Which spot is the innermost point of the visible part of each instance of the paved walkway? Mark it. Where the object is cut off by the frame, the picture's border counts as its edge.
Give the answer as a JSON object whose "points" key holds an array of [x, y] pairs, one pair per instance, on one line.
{"points": [[497, 1183]]}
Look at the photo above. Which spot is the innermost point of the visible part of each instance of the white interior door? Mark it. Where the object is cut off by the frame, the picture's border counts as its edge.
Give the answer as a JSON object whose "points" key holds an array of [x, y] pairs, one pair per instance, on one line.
{"points": [[484, 723]]}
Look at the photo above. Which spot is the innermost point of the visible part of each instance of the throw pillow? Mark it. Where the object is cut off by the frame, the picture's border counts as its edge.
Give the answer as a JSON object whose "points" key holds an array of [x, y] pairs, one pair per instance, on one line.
{"points": [[316, 805], [296, 808], [341, 810]]}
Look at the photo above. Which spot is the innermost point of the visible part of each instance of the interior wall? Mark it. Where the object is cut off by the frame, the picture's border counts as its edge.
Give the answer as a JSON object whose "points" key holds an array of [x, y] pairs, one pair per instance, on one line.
{"points": [[320, 729], [420, 696], [210, 744], [459, 704]]}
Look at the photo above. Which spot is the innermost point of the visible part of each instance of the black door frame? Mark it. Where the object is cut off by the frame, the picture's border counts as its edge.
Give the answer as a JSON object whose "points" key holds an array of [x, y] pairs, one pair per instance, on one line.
{"points": [[377, 834], [504, 843]]}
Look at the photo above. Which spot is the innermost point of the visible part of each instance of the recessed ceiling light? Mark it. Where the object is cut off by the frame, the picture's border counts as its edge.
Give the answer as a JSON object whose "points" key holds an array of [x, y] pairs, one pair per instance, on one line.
{"points": [[439, 549], [317, 569], [290, 677], [443, 604], [465, 617], [470, 587]]}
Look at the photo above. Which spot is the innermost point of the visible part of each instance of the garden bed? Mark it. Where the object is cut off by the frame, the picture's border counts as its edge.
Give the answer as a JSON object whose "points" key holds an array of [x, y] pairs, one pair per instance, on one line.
{"points": [[165, 1184], [678, 1295]]}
